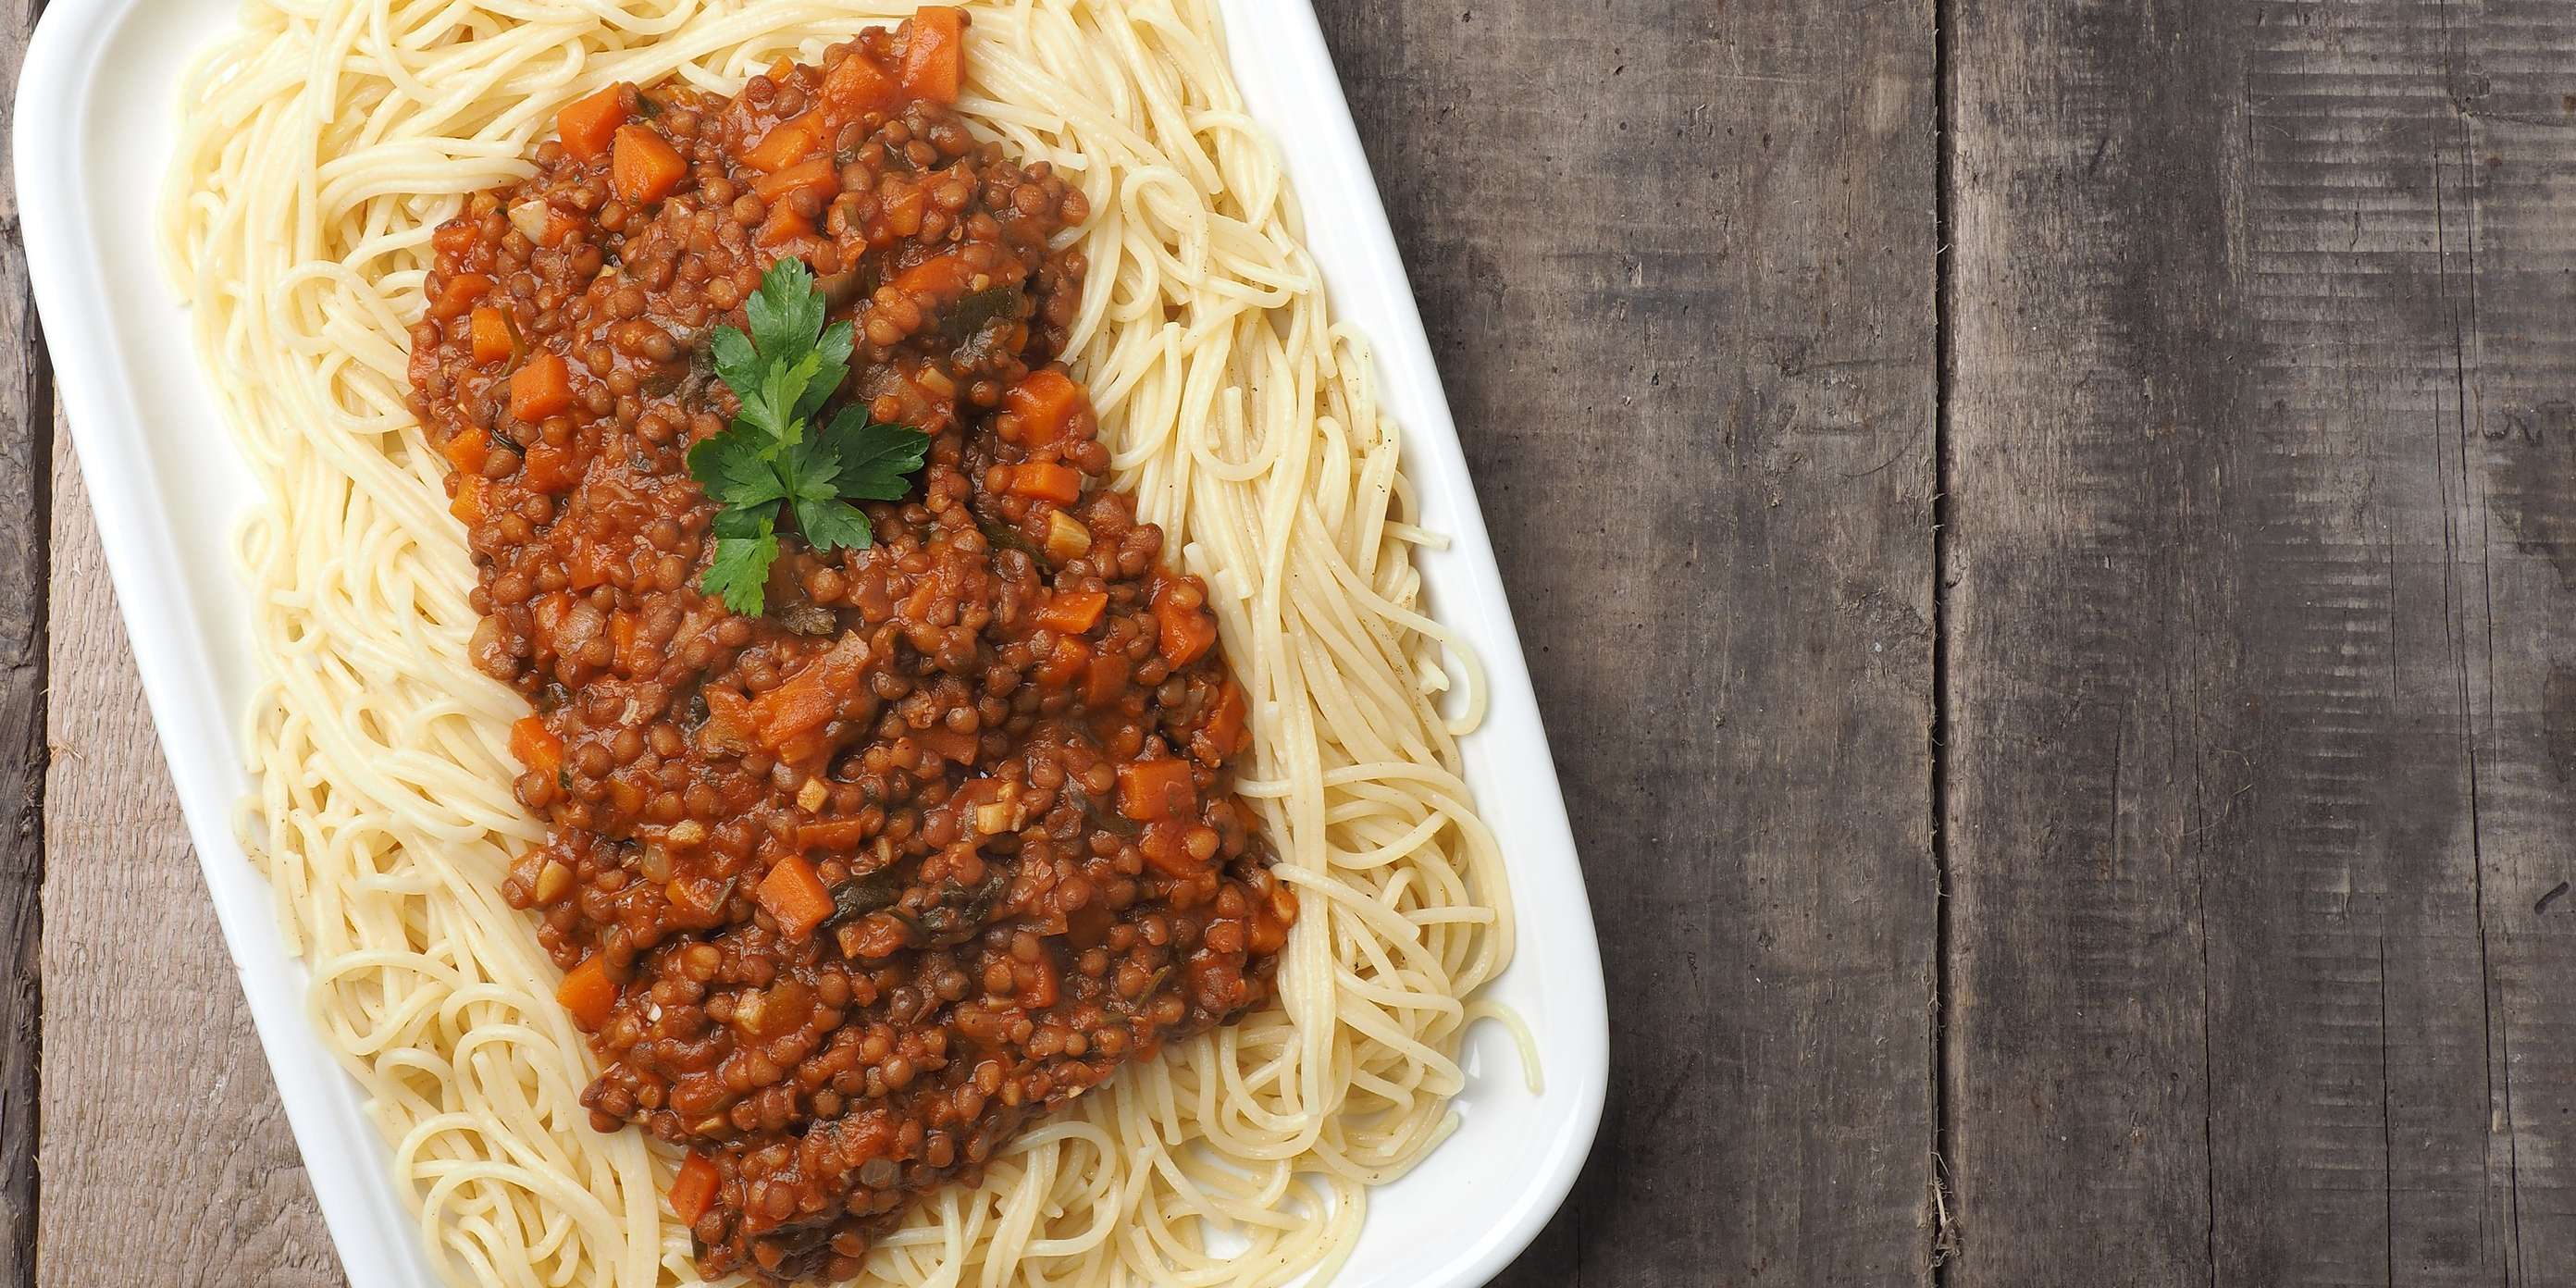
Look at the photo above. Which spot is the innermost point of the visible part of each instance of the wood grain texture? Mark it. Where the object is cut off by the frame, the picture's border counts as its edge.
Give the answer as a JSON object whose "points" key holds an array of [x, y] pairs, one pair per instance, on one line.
{"points": [[1677, 262], [2254, 792], [153, 1082], [26, 429]]}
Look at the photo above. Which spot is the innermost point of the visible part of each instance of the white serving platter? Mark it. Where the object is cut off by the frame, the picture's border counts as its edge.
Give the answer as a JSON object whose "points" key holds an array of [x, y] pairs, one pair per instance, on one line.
{"points": [[96, 116]]}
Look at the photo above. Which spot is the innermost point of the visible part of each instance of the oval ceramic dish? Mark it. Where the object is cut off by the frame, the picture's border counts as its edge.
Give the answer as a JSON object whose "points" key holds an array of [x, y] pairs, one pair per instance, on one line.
{"points": [[96, 118]]}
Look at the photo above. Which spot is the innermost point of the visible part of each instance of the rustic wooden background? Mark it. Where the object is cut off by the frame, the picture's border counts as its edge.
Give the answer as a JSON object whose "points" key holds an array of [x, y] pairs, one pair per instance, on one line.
{"points": [[2047, 534]]}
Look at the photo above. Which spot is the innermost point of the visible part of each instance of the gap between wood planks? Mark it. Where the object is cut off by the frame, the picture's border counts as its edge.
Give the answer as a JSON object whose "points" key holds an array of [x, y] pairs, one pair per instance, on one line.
{"points": [[1943, 1233]]}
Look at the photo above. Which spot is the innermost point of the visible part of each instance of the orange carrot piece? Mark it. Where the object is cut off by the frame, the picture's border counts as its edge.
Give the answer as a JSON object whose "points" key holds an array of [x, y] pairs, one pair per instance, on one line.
{"points": [[491, 334], [832, 834], [540, 388], [587, 125], [1152, 789], [934, 59], [943, 277], [784, 225], [1075, 613], [790, 142], [468, 450], [1066, 662], [730, 722], [1225, 726], [1183, 629], [815, 176], [552, 470], [1106, 681], [791, 709], [793, 896], [558, 227], [1044, 403], [856, 86], [811, 696], [622, 628], [645, 167], [694, 1191], [1044, 481], [1166, 846], [458, 295], [588, 992], [469, 503], [536, 746]]}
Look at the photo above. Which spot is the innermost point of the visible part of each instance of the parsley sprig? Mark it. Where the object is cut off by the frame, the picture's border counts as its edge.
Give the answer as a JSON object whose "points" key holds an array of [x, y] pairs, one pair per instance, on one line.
{"points": [[782, 371]]}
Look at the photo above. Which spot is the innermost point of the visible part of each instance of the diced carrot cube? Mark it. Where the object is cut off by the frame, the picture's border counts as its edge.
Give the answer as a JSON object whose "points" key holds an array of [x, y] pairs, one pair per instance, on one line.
{"points": [[541, 387], [934, 58], [1152, 789], [645, 167], [857, 85], [588, 992], [1225, 724], [811, 696], [458, 294], [1066, 662], [793, 896], [1183, 628], [468, 449], [694, 1191], [1044, 404], [622, 630], [491, 334], [790, 142], [588, 125], [552, 470], [784, 225], [558, 227], [1074, 613], [832, 834], [816, 176], [1166, 846], [943, 277], [536, 746], [1044, 481], [469, 505]]}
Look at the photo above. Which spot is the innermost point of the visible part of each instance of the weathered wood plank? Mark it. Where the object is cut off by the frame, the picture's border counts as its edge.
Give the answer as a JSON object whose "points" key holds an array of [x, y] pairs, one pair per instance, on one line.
{"points": [[2509, 160], [1677, 263], [26, 427], [2251, 790], [153, 1082]]}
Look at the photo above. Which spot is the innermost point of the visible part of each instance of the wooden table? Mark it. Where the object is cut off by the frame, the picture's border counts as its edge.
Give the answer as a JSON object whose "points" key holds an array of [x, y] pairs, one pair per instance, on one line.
{"points": [[2047, 535]]}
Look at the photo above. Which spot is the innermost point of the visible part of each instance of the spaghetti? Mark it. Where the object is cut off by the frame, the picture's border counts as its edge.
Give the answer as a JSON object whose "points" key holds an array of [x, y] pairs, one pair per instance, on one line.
{"points": [[327, 141]]}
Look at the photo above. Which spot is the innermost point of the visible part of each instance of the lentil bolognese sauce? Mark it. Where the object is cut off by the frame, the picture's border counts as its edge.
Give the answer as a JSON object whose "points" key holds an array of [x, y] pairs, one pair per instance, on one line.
{"points": [[848, 889]]}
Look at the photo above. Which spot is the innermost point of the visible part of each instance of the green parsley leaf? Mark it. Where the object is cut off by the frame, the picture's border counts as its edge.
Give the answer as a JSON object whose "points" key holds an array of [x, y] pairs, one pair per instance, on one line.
{"points": [[831, 524], [817, 471], [739, 574], [736, 364], [782, 371], [831, 367], [733, 469], [785, 312], [874, 459]]}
